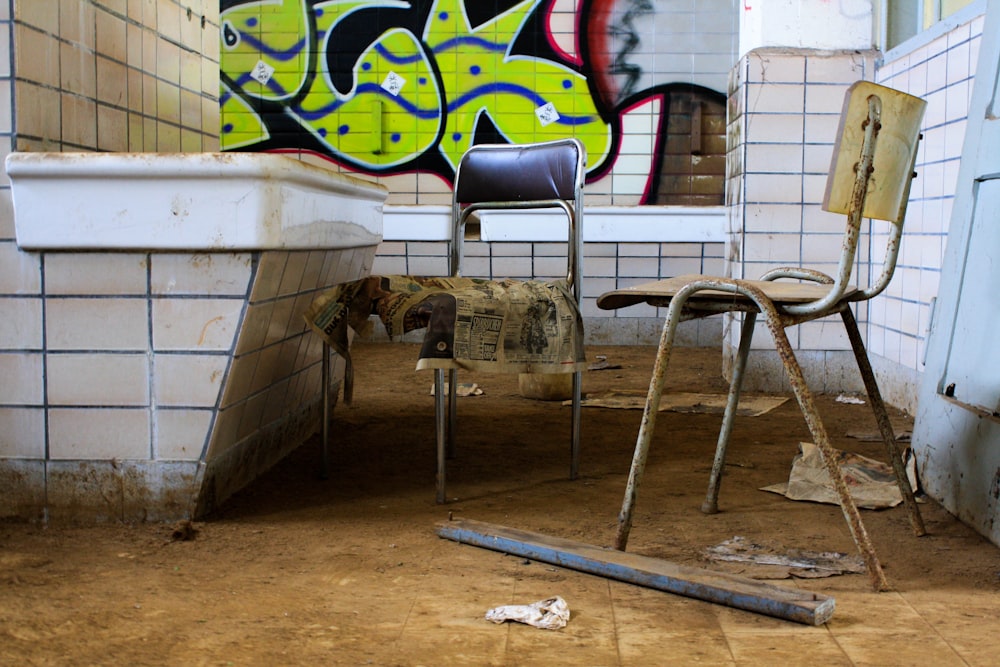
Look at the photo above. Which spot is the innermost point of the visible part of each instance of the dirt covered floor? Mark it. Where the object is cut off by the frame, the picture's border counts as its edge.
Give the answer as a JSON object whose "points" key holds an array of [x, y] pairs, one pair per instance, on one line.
{"points": [[297, 570]]}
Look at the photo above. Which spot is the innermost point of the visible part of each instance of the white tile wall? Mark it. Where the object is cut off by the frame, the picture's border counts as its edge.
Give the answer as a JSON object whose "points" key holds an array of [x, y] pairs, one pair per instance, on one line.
{"points": [[219, 274], [20, 323], [896, 323], [942, 73], [137, 373], [180, 434], [22, 378], [606, 266], [97, 379], [96, 273], [99, 434], [188, 380], [96, 324], [22, 432], [20, 272], [195, 324]]}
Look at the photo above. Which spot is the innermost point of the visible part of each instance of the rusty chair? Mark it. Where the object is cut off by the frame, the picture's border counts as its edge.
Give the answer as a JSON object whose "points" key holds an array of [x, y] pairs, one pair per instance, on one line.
{"points": [[872, 167]]}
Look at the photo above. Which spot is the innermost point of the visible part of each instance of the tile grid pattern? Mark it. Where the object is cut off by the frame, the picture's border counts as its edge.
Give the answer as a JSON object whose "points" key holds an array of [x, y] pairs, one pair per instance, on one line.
{"points": [[105, 75], [684, 40], [606, 266], [941, 72], [135, 357], [120, 359], [275, 368], [132, 350], [125, 75], [614, 623], [784, 111]]}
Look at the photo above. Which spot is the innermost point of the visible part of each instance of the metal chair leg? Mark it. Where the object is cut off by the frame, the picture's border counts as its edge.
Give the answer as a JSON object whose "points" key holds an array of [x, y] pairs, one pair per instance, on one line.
{"points": [[452, 411], [324, 471], [711, 504], [822, 441], [648, 423], [574, 464], [439, 429], [884, 425]]}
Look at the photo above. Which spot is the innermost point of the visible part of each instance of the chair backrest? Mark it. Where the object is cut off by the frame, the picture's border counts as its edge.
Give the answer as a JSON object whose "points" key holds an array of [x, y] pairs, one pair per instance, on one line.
{"points": [[522, 176], [870, 175], [898, 116]]}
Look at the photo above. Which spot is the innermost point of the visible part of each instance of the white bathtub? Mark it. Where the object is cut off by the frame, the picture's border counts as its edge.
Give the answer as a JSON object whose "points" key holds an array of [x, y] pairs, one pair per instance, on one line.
{"points": [[177, 283], [188, 201]]}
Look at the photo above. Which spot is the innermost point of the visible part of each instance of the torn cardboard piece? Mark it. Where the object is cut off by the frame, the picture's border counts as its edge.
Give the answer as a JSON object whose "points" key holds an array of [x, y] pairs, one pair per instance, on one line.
{"points": [[687, 402], [871, 483]]}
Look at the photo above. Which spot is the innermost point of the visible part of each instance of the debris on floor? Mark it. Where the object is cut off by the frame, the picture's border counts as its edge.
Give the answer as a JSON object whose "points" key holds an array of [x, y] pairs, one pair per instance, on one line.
{"points": [[850, 400], [733, 590], [875, 436], [601, 363], [766, 561], [686, 402], [463, 389], [871, 483], [549, 614], [183, 531]]}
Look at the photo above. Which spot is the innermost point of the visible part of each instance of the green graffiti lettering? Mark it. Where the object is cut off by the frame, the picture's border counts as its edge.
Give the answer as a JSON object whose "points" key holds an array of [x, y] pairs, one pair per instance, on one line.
{"points": [[409, 95]]}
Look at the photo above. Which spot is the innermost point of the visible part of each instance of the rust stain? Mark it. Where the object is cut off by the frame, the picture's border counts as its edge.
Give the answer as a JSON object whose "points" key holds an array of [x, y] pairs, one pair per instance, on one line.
{"points": [[204, 329]]}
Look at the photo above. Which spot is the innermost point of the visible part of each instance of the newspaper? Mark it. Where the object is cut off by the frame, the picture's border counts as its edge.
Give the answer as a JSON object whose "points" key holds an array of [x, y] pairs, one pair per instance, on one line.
{"points": [[682, 401], [508, 326]]}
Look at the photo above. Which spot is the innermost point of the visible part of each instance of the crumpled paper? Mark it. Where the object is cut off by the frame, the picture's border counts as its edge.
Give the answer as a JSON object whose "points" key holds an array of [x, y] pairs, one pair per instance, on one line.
{"points": [[772, 561], [550, 614]]}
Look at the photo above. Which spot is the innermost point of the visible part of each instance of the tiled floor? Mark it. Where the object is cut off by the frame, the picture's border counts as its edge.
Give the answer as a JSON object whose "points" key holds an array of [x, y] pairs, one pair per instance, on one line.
{"points": [[936, 616], [349, 571]]}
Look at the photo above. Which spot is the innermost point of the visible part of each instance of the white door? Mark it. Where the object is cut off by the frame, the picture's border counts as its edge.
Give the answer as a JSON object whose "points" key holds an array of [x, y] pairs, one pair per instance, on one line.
{"points": [[957, 432]]}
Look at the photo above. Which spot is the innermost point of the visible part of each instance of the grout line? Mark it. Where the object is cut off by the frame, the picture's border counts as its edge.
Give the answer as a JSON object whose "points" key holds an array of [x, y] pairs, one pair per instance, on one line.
{"points": [[933, 627], [614, 623]]}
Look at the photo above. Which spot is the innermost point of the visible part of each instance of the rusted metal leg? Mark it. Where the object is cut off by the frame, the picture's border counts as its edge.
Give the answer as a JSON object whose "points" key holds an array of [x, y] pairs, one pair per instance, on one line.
{"points": [[574, 448], [439, 431], [648, 423], [711, 504], [822, 441], [884, 425]]}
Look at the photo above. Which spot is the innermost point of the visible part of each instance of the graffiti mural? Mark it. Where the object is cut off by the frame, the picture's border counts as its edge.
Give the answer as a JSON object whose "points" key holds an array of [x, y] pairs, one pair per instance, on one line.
{"points": [[388, 87]]}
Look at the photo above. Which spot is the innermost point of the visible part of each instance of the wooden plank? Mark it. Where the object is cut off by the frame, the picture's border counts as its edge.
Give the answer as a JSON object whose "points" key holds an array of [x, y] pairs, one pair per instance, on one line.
{"points": [[718, 587]]}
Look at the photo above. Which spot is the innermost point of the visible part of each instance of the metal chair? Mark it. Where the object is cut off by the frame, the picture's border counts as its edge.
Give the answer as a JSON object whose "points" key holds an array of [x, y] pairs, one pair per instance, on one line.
{"points": [[870, 176], [498, 177]]}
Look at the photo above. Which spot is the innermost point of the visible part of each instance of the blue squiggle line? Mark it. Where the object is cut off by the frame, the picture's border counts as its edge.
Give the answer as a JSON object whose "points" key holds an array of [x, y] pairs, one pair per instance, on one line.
{"points": [[455, 42], [271, 85], [370, 88], [513, 89], [398, 60], [497, 87], [281, 56]]}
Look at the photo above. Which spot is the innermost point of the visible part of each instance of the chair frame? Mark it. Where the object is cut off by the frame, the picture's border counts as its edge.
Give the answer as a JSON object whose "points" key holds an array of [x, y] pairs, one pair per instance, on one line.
{"points": [[783, 305], [561, 191]]}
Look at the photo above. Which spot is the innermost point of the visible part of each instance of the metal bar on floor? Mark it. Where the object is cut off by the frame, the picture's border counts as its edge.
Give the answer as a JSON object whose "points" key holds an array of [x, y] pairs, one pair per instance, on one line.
{"points": [[718, 587]]}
